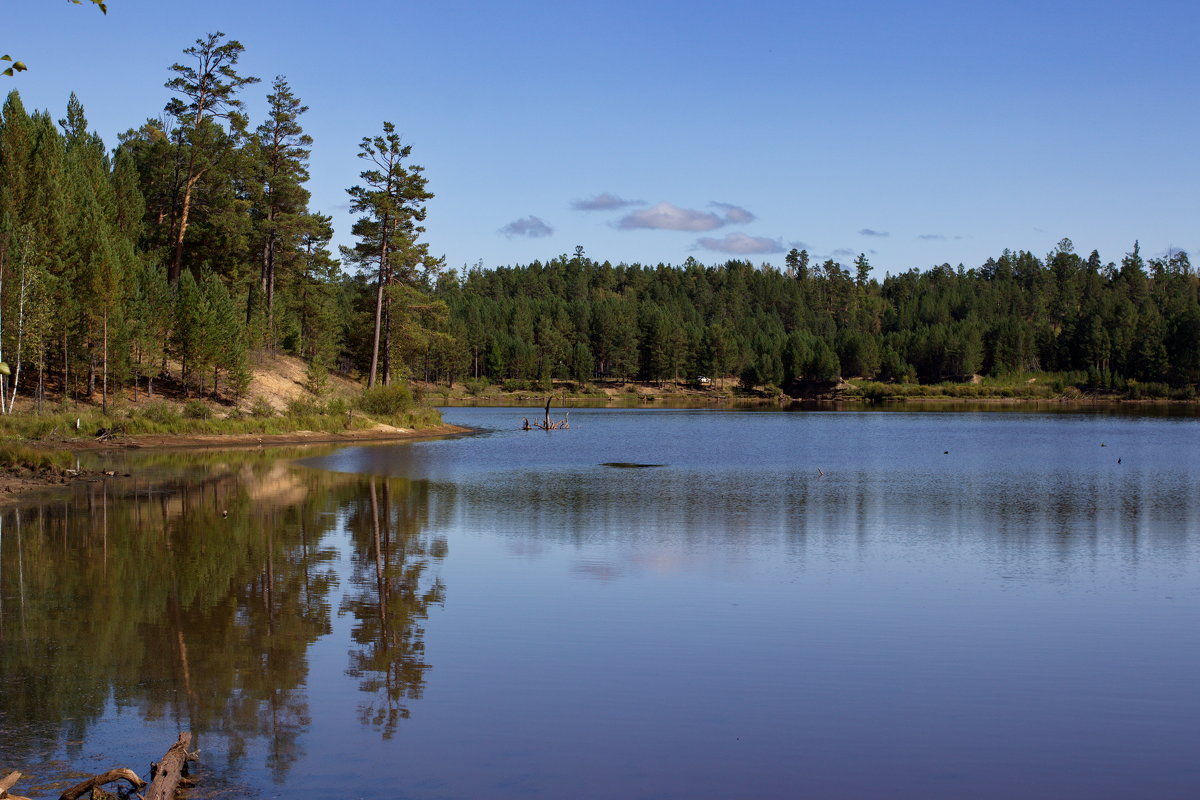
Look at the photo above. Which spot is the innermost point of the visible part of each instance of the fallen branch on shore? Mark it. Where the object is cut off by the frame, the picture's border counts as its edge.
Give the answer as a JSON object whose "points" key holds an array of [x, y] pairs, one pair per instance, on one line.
{"points": [[112, 776], [167, 774], [167, 777], [7, 783]]}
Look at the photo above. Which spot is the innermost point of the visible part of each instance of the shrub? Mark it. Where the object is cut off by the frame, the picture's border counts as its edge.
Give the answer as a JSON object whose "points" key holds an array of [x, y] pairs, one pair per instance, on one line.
{"points": [[1187, 392], [159, 412], [515, 385], [196, 409], [302, 408], [262, 409], [386, 401], [476, 385]]}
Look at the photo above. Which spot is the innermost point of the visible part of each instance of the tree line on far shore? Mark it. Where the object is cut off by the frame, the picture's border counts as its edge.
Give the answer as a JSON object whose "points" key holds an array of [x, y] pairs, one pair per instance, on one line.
{"points": [[1104, 324], [190, 247]]}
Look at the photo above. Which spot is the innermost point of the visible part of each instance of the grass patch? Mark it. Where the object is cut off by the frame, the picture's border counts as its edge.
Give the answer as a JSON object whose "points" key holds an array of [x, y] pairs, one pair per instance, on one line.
{"points": [[159, 418], [16, 457]]}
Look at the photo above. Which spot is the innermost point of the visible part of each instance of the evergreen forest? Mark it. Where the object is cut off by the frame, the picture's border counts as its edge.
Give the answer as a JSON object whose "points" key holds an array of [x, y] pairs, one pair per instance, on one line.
{"points": [[1104, 326], [189, 248]]}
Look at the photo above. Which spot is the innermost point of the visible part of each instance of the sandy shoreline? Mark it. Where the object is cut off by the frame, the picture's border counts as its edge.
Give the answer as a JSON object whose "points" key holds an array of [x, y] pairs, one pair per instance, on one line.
{"points": [[17, 484]]}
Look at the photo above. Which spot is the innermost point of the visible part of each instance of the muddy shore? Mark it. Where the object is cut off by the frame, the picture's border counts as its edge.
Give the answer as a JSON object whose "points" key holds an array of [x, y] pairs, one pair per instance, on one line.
{"points": [[18, 483]]}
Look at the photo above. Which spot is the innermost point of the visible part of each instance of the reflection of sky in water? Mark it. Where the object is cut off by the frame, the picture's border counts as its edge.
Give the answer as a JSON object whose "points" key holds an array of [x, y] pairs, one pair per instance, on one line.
{"points": [[816, 604], [1029, 486], [829, 604]]}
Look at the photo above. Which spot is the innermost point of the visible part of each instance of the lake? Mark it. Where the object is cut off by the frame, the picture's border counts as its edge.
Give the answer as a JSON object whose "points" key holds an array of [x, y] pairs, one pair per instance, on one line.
{"points": [[650, 604]]}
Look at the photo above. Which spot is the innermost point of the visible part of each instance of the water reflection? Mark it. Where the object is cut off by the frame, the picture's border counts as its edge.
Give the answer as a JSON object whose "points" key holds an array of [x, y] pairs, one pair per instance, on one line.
{"points": [[393, 591], [191, 597], [682, 631]]}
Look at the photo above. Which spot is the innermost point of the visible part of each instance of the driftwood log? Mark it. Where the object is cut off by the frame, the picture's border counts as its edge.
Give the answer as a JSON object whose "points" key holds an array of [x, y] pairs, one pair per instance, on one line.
{"points": [[167, 774], [111, 776], [6, 783]]}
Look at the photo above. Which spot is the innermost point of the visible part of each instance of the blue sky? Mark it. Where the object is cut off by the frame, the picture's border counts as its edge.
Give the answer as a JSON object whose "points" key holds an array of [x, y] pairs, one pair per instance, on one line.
{"points": [[650, 131]]}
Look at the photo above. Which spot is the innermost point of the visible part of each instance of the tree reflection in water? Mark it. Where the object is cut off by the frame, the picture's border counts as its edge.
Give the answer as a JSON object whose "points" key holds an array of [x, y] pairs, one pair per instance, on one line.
{"points": [[196, 598], [394, 590]]}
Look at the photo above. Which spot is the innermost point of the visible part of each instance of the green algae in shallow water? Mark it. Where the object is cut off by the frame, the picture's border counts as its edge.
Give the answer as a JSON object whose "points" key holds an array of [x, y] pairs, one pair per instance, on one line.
{"points": [[629, 465]]}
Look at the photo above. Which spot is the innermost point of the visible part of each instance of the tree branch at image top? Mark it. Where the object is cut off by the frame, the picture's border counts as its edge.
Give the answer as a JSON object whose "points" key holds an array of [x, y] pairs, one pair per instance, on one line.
{"points": [[19, 66]]}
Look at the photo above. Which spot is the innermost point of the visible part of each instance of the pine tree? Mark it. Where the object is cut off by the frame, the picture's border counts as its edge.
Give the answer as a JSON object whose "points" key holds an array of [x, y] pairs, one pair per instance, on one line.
{"points": [[193, 321], [279, 152], [208, 93], [392, 200], [224, 337]]}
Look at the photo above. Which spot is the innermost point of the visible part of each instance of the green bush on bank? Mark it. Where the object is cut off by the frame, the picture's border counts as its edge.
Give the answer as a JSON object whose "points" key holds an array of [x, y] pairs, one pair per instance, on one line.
{"points": [[385, 401]]}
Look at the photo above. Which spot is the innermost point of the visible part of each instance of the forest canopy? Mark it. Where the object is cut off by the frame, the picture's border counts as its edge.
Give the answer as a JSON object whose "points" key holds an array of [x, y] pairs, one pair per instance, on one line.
{"points": [[191, 245]]}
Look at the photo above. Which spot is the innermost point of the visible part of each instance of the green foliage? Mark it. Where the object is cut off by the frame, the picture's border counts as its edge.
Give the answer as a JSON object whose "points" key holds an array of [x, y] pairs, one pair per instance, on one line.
{"points": [[1015, 314], [196, 409], [338, 406], [303, 408], [17, 66], [392, 200], [385, 401], [159, 412], [261, 409]]}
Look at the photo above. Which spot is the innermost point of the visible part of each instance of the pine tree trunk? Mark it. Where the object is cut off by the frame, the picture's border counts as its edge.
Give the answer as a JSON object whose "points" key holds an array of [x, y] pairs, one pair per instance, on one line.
{"points": [[2, 382], [104, 395], [66, 367], [387, 341], [378, 309], [269, 288], [177, 258]]}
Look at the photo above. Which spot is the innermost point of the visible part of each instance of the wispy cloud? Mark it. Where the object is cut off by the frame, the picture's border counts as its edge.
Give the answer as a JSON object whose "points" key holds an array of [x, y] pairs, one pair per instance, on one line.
{"points": [[741, 244], [605, 201], [667, 217], [844, 252], [531, 226], [931, 237], [872, 232], [798, 245], [734, 215]]}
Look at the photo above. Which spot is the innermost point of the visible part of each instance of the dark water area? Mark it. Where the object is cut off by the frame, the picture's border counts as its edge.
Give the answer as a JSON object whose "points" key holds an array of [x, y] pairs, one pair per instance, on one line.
{"points": [[652, 603]]}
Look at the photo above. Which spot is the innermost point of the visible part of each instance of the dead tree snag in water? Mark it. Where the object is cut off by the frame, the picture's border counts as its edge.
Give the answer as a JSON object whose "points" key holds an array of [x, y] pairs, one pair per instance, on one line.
{"points": [[548, 424]]}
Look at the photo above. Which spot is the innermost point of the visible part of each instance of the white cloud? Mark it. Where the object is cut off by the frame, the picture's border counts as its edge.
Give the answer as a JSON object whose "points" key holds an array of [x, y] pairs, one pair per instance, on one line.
{"points": [[531, 226], [871, 232], [741, 244], [667, 217]]}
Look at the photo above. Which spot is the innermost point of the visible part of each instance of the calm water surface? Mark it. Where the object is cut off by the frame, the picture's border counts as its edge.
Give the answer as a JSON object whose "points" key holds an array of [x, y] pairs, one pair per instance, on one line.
{"points": [[818, 604]]}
